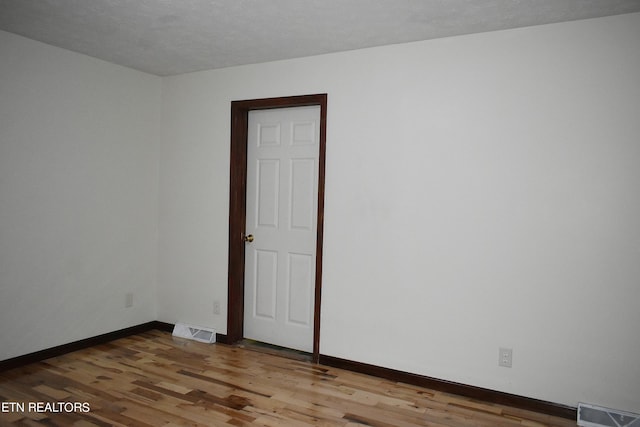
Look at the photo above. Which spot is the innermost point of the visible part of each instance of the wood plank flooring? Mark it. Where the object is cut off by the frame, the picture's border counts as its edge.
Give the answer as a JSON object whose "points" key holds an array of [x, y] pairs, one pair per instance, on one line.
{"points": [[153, 379]]}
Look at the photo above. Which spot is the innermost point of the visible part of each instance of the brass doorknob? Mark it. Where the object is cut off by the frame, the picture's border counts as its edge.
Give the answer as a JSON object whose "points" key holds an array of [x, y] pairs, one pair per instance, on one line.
{"points": [[248, 238]]}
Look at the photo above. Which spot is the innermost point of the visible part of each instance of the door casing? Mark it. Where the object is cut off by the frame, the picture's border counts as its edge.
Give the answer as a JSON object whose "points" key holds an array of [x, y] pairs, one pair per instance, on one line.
{"points": [[238, 207]]}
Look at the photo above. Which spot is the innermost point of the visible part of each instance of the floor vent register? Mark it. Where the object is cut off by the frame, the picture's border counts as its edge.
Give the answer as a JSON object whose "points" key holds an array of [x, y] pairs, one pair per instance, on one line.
{"points": [[196, 333], [597, 416]]}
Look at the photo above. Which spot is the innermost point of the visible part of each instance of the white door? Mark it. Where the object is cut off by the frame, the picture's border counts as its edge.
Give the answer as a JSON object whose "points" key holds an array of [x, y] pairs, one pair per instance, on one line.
{"points": [[282, 209]]}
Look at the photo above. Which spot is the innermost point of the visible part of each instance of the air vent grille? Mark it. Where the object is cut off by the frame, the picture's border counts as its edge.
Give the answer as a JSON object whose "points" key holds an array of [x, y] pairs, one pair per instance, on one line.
{"points": [[597, 416], [196, 333]]}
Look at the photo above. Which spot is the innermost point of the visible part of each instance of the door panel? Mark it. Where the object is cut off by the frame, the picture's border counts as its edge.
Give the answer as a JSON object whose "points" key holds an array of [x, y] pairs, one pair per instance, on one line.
{"points": [[266, 273], [302, 194], [267, 193], [281, 214], [299, 289]]}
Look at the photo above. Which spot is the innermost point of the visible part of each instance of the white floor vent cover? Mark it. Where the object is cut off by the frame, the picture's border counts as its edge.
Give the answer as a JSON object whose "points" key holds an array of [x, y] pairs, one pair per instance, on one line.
{"points": [[195, 333], [597, 416]]}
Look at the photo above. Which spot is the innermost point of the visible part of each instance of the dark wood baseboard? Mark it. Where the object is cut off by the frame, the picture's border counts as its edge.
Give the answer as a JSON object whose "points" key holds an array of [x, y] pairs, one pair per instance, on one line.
{"points": [[38, 356], [223, 339], [163, 326], [74, 346], [479, 393]]}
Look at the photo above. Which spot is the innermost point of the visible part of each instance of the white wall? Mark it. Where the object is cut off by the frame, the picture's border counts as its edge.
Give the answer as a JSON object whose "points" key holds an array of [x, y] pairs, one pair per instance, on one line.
{"points": [[482, 191], [78, 196]]}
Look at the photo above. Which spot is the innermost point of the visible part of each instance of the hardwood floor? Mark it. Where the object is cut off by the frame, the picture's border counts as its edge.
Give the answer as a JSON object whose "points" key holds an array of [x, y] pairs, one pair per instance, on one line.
{"points": [[152, 379]]}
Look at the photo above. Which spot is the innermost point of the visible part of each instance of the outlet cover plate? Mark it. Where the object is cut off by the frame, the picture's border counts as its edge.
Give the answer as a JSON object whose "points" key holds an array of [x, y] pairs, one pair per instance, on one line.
{"points": [[505, 358]]}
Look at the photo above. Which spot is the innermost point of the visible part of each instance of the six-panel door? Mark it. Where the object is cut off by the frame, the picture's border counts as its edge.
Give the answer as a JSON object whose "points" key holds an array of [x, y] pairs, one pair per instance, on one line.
{"points": [[282, 194]]}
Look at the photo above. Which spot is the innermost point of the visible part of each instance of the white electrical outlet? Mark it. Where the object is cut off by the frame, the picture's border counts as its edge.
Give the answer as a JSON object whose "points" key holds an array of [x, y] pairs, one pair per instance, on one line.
{"points": [[216, 307], [128, 300], [505, 357]]}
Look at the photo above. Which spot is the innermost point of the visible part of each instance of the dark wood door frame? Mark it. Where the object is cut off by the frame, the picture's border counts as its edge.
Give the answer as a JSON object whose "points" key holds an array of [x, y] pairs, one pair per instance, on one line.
{"points": [[238, 207]]}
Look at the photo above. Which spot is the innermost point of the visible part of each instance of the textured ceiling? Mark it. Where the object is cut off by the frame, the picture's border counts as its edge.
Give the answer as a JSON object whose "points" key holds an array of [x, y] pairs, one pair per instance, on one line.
{"points": [[167, 37]]}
